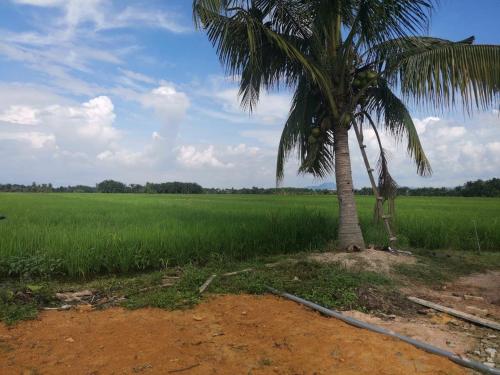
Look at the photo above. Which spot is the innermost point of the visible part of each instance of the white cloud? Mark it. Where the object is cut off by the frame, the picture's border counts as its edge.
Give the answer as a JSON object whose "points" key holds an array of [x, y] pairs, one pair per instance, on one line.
{"points": [[457, 151], [242, 149], [35, 140], [221, 101], [421, 125], [133, 16], [18, 114], [85, 127], [137, 77], [105, 16], [170, 107], [99, 116], [70, 41], [40, 3], [190, 157], [123, 157], [169, 103], [269, 138], [271, 109]]}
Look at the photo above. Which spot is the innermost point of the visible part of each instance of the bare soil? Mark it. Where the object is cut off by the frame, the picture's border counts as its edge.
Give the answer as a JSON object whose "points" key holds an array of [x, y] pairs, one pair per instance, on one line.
{"points": [[476, 294], [225, 335], [368, 260]]}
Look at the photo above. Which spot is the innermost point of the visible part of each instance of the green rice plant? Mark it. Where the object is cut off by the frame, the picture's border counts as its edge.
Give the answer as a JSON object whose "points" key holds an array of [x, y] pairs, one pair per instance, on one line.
{"points": [[82, 235]]}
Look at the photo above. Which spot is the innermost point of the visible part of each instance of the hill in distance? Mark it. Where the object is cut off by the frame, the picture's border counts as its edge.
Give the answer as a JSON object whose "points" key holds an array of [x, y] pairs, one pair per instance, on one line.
{"points": [[323, 186]]}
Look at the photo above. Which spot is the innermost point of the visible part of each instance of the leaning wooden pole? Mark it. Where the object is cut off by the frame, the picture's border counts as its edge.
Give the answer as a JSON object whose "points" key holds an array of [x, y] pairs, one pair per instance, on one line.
{"points": [[378, 197]]}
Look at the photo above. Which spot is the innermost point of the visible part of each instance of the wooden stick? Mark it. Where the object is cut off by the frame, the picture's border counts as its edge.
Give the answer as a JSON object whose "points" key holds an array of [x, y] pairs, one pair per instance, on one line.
{"points": [[237, 272], [185, 368], [207, 283], [379, 199], [405, 252], [165, 285], [458, 314], [268, 265]]}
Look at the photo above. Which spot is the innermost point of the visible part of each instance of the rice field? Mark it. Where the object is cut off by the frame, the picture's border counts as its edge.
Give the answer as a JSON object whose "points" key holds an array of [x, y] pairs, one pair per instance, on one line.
{"points": [[81, 235]]}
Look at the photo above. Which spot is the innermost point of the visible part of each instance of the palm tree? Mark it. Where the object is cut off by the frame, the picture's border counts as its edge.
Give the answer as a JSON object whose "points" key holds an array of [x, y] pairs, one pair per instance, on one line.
{"points": [[349, 62]]}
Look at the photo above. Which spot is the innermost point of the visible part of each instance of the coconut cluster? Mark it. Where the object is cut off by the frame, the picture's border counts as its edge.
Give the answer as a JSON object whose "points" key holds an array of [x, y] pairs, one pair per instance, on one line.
{"points": [[363, 79], [318, 131]]}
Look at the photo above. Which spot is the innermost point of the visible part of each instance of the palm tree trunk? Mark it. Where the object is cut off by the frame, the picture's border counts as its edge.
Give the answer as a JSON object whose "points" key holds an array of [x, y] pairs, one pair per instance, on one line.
{"points": [[350, 236]]}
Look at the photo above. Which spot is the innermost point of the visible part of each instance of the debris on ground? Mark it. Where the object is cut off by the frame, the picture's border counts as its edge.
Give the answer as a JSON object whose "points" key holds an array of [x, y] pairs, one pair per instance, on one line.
{"points": [[74, 296], [90, 299], [84, 300], [166, 282], [206, 284], [459, 314], [385, 303], [478, 291]]}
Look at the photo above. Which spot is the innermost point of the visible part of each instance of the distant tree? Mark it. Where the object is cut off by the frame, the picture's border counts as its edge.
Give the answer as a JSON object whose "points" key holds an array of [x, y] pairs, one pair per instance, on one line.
{"points": [[136, 188], [173, 188], [111, 186]]}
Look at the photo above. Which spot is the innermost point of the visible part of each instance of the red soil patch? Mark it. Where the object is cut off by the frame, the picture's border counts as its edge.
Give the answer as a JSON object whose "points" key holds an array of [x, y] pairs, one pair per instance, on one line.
{"points": [[225, 335]]}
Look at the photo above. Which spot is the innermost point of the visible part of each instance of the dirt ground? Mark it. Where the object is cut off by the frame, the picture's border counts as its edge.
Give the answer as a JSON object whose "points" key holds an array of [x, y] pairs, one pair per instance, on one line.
{"points": [[225, 335], [368, 260], [477, 294]]}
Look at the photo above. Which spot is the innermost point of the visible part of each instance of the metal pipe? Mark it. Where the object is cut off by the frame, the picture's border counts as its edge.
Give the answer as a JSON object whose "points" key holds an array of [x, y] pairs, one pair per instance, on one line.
{"points": [[360, 324]]}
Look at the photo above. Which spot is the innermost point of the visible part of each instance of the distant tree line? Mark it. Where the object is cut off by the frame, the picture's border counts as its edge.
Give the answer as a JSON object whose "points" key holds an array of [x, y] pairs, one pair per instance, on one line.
{"points": [[257, 190], [479, 188], [109, 186]]}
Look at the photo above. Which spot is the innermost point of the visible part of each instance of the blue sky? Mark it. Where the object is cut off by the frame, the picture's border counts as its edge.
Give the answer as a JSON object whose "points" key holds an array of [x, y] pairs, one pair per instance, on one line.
{"points": [[94, 89]]}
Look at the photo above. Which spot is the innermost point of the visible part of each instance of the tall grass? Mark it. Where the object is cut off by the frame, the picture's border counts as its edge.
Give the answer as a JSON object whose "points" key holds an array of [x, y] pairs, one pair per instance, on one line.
{"points": [[86, 234]]}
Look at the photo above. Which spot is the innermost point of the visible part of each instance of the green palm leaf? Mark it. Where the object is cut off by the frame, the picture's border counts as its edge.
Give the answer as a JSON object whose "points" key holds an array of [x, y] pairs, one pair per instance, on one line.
{"points": [[439, 72], [395, 117]]}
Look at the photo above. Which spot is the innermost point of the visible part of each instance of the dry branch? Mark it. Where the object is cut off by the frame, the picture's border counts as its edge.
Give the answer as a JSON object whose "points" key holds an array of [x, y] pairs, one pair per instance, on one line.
{"points": [[207, 283], [185, 368]]}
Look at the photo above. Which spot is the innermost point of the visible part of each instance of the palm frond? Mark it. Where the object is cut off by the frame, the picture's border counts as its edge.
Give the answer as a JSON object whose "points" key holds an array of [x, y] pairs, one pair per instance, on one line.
{"points": [[377, 21], [396, 119], [438, 73], [265, 52], [307, 111], [387, 186]]}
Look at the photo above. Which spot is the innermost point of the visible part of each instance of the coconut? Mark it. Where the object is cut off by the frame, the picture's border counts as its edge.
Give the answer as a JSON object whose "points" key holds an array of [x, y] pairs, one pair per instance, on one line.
{"points": [[326, 124], [312, 139], [357, 83], [362, 74], [371, 74], [347, 119], [316, 132]]}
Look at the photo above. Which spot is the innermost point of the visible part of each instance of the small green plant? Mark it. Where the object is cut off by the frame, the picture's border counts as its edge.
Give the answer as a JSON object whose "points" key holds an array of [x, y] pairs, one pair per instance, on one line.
{"points": [[12, 312], [27, 267]]}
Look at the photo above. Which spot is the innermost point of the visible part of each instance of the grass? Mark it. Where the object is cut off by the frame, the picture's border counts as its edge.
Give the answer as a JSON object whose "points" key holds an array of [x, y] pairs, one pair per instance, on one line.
{"points": [[84, 235], [435, 268], [330, 285]]}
